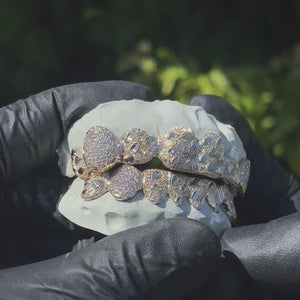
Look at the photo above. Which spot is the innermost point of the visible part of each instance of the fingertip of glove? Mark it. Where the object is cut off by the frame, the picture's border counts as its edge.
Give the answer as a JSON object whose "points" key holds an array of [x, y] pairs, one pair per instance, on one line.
{"points": [[190, 239], [144, 91], [192, 232], [120, 89], [192, 251], [218, 107], [186, 238], [207, 99], [224, 112], [161, 260]]}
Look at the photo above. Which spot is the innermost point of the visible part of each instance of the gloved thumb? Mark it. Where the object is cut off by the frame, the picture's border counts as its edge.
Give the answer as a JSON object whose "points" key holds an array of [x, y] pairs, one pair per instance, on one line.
{"points": [[162, 260]]}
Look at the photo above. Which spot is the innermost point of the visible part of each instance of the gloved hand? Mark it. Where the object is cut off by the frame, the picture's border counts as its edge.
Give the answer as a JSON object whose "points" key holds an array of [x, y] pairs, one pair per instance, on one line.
{"points": [[162, 260], [260, 260]]}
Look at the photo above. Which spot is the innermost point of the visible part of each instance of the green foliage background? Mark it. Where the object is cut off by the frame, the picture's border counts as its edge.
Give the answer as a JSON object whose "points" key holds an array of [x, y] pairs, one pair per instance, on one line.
{"points": [[245, 51]]}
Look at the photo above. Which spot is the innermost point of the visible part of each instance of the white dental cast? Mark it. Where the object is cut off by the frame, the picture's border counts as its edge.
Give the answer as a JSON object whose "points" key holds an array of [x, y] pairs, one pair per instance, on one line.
{"points": [[107, 215]]}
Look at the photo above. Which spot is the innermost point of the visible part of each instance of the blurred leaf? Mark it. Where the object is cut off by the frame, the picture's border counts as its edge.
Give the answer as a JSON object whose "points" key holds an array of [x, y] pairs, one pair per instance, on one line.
{"points": [[268, 100]]}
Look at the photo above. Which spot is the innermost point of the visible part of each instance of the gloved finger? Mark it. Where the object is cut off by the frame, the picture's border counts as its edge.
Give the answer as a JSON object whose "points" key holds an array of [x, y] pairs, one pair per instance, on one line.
{"points": [[31, 129], [28, 219], [225, 283], [33, 199], [162, 260], [268, 252], [272, 191]]}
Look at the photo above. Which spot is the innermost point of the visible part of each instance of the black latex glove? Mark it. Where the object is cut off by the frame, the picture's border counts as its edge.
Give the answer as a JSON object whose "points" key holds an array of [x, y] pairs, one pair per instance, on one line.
{"points": [[261, 260], [162, 260]]}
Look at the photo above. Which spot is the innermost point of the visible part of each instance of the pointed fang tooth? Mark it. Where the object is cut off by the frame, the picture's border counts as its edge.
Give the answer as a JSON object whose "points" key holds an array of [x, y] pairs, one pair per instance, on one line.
{"points": [[94, 187]]}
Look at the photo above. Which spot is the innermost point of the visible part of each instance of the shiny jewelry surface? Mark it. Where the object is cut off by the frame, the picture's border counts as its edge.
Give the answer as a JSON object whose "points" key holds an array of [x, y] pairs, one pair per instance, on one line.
{"points": [[179, 150], [158, 186]]}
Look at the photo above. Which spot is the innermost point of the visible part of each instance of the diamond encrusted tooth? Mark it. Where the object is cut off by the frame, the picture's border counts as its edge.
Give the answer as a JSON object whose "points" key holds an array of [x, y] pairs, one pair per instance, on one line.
{"points": [[211, 154], [179, 149], [78, 164], [179, 188], [95, 186], [156, 185], [229, 208], [138, 146], [102, 149], [198, 192], [213, 198], [243, 174], [125, 182], [213, 144], [227, 204]]}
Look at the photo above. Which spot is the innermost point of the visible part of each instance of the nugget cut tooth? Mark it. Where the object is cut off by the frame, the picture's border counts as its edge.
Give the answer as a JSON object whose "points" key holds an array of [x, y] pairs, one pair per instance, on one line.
{"points": [[156, 185], [138, 146]]}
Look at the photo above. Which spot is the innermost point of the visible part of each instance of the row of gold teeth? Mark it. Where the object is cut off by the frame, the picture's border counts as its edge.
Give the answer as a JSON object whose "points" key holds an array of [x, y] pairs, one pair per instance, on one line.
{"points": [[125, 181], [178, 150]]}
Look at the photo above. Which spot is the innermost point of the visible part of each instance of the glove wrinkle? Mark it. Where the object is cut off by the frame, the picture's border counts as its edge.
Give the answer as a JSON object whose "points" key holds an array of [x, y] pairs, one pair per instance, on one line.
{"points": [[30, 181], [83, 243], [26, 124], [293, 196], [269, 186], [224, 112], [162, 260], [263, 258], [269, 252], [57, 112]]}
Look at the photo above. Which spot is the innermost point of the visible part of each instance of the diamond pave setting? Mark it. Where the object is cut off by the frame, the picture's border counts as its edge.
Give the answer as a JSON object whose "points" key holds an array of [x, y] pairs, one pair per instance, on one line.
{"points": [[125, 182], [178, 150], [101, 148], [138, 147], [158, 186]]}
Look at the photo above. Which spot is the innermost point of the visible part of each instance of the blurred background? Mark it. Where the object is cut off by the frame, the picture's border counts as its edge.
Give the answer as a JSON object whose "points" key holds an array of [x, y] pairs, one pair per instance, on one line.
{"points": [[245, 51]]}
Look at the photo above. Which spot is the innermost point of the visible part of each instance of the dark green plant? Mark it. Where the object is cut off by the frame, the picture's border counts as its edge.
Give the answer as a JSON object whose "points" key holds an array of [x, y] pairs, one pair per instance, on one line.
{"points": [[237, 50], [268, 96]]}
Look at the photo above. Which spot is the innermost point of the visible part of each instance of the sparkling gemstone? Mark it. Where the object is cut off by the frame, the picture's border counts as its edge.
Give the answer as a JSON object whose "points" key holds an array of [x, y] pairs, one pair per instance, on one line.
{"points": [[198, 192], [213, 198], [138, 146], [191, 164], [154, 175], [155, 185], [178, 149], [134, 148], [94, 187], [204, 158], [211, 154], [231, 169], [211, 166], [207, 141], [101, 149], [178, 188], [243, 174], [125, 182]]}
